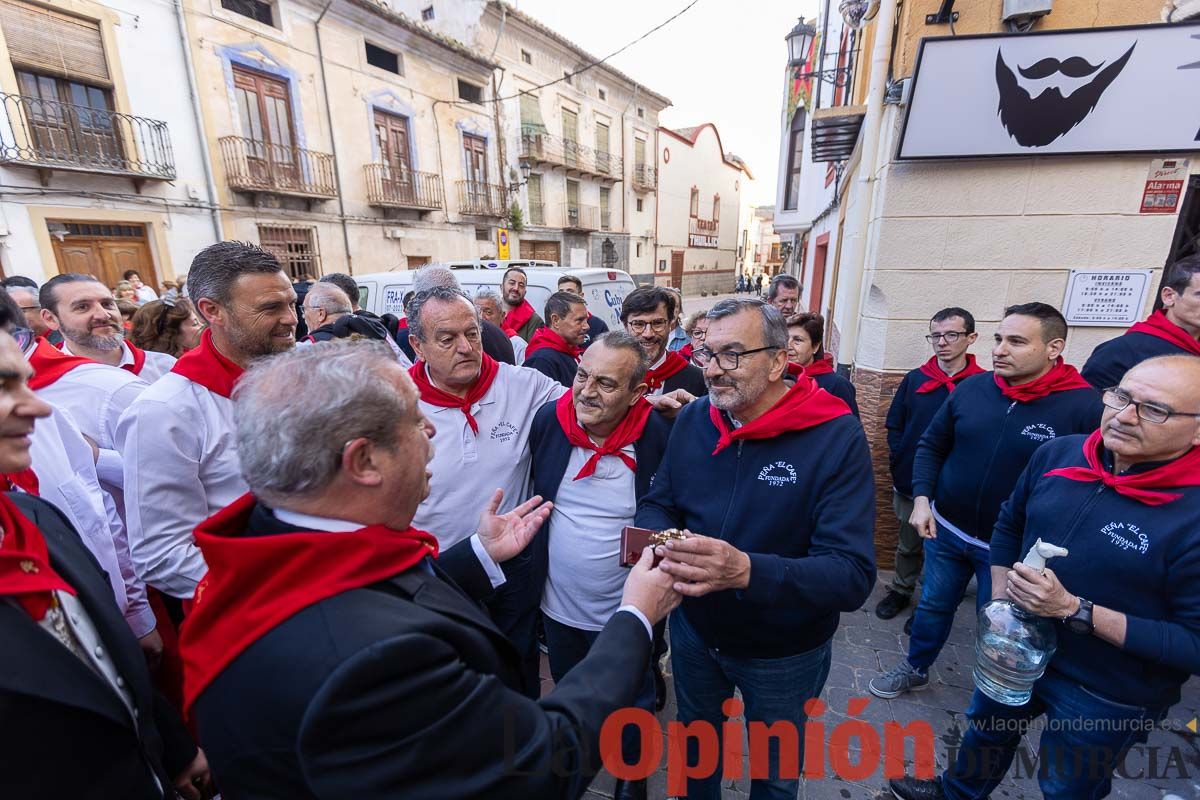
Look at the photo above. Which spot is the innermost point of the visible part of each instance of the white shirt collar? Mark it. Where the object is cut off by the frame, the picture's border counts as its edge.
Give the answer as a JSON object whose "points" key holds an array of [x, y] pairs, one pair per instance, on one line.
{"points": [[126, 353], [307, 522], [661, 359]]}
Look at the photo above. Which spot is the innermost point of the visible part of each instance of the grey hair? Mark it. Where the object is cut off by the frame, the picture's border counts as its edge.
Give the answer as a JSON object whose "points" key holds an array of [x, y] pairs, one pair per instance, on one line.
{"points": [[290, 443], [215, 269], [489, 294], [773, 328], [429, 277], [329, 297], [416, 306], [623, 340]]}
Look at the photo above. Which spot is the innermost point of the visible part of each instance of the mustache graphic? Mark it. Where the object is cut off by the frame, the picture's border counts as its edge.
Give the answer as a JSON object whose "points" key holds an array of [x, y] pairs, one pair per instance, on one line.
{"points": [[1038, 121], [1073, 67]]}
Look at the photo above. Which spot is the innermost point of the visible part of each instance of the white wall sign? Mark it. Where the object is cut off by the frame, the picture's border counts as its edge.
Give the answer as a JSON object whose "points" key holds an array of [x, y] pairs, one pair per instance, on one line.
{"points": [[1106, 299], [1102, 90]]}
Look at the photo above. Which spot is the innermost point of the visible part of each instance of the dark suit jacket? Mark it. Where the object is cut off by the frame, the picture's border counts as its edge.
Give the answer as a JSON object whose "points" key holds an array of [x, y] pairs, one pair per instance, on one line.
{"points": [[554, 364], [65, 732], [690, 378], [402, 689], [495, 344]]}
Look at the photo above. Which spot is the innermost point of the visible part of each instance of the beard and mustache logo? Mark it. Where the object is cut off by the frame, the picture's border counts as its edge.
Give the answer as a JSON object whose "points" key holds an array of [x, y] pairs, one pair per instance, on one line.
{"points": [[1038, 121]]}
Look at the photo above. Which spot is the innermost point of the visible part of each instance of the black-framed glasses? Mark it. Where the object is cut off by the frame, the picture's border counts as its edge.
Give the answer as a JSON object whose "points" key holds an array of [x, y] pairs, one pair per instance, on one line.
{"points": [[1118, 400], [727, 360], [950, 336], [640, 325]]}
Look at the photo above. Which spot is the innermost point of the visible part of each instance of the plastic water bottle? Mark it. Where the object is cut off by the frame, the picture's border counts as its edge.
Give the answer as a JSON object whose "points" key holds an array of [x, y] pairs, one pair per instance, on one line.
{"points": [[1014, 646]]}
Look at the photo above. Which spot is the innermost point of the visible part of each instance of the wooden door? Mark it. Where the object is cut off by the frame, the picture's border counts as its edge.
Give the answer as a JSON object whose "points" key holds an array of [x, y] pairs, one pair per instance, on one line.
{"points": [[264, 107], [475, 151], [816, 280], [391, 132], [677, 269], [541, 251], [105, 251]]}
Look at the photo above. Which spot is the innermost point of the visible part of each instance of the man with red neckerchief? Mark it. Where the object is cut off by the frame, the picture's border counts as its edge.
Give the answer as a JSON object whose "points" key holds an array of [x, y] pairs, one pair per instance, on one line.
{"points": [[1125, 600], [969, 459], [519, 315], [774, 486], [85, 312], [917, 399], [648, 313], [1172, 329], [482, 411], [336, 650], [555, 349], [81, 718], [177, 441]]}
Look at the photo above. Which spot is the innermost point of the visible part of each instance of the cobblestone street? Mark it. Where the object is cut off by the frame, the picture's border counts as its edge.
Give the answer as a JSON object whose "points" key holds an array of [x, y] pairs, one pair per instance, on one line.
{"points": [[865, 644]]}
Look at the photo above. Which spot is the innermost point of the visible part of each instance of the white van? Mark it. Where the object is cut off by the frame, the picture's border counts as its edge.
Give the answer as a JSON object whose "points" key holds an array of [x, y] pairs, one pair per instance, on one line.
{"points": [[604, 289]]}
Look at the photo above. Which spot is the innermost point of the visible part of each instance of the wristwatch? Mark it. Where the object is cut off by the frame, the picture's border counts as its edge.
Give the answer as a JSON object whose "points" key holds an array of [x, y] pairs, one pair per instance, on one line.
{"points": [[1081, 621]]}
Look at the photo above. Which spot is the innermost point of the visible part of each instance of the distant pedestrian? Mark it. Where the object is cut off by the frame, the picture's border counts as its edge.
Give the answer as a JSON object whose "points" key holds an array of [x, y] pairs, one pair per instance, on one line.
{"points": [[758, 283]]}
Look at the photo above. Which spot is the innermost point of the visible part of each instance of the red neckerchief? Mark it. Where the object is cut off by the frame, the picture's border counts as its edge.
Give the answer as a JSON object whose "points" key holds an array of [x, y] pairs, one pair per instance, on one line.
{"points": [[436, 397], [49, 364], [520, 315], [206, 366], [671, 366], [401, 324], [1158, 325], [939, 379], [26, 480], [546, 338], [805, 405], [139, 359], [1140, 486], [686, 351], [626, 433], [1062, 377], [256, 582], [820, 366], [25, 571]]}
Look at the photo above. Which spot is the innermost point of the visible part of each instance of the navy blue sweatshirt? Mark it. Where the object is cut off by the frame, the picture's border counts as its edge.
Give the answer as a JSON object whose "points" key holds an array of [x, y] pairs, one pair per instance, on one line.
{"points": [[1140, 560], [907, 419], [839, 387], [800, 504], [978, 442], [559, 366], [1110, 361]]}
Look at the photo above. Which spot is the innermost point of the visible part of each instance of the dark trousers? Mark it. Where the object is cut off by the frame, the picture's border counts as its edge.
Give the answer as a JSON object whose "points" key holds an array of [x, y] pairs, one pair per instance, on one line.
{"points": [[910, 547], [514, 608]]}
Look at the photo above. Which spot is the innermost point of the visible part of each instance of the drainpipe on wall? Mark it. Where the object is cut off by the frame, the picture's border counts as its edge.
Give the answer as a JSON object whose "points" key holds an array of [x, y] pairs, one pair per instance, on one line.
{"points": [[210, 183], [851, 289], [337, 172]]}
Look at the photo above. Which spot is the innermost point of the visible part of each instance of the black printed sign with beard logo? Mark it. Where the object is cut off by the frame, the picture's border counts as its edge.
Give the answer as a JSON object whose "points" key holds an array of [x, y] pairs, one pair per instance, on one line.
{"points": [[1038, 121]]}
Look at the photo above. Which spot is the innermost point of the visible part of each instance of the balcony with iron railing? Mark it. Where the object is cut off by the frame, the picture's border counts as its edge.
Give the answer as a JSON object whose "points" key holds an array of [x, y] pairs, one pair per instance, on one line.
{"points": [[48, 135], [481, 199], [252, 165], [644, 178], [389, 186], [545, 149], [580, 218]]}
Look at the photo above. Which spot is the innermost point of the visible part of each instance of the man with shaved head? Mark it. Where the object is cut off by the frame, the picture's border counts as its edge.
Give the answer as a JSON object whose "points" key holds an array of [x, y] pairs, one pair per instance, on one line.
{"points": [[1125, 501]]}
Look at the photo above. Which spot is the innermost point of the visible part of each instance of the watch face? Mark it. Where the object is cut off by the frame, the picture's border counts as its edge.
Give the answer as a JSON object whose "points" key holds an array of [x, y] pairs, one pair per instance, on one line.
{"points": [[1079, 625]]}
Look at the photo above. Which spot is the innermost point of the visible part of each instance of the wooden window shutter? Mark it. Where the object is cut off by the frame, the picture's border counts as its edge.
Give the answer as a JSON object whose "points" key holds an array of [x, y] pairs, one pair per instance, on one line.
{"points": [[53, 43]]}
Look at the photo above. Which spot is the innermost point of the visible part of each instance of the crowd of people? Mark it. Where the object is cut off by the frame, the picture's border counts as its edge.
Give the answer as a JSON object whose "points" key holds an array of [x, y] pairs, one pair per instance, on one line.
{"points": [[239, 558]]}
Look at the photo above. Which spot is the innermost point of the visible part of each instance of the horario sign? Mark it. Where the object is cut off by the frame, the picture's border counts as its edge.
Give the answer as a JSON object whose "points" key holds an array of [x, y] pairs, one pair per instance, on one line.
{"points": [[1101, 90]]}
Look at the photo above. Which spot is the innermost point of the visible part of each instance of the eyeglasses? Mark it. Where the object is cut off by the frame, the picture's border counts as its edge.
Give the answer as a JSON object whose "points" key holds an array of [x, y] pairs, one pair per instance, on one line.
{"points": [[697, 333], [1119, 400], [950, 336], [31, 308], [728, 360], [639, 325]]}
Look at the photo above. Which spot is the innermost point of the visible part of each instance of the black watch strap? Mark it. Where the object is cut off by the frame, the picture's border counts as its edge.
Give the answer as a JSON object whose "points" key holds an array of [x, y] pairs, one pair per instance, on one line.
{"points": [[1081, 621]]}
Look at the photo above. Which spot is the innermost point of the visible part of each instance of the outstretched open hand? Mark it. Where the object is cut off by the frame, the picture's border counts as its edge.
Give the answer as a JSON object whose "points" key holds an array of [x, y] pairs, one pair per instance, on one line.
{"points": [[505, 535]]}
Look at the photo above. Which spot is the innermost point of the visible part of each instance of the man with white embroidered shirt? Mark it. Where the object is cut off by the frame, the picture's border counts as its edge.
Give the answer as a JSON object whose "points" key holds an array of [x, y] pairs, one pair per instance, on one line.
{"points": [[85, 312], [482, 411], [94, 393], [177, 440], [672, 382]]}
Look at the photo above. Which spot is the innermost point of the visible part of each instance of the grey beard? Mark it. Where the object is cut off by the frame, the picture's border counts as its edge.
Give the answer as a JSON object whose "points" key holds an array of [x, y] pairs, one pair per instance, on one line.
{"points": [[94, 342]]}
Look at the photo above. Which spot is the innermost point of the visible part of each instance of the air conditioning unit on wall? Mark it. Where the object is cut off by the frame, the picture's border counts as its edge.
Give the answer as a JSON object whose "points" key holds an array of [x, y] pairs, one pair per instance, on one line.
{"points": [[393, 233]]}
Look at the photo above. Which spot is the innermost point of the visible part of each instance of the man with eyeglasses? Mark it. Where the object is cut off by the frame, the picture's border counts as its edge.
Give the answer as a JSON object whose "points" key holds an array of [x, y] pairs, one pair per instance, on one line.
{"points": [[968, 461], [917, 399], [648, 314], [1125, 501], [1171, 330], [25, 292], [774, 490]]}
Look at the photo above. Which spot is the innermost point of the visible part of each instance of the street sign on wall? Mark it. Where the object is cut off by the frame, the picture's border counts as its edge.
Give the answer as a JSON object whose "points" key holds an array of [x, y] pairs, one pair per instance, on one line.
{"points": [[1099, 90], [1112, 298], [1164, 185]]}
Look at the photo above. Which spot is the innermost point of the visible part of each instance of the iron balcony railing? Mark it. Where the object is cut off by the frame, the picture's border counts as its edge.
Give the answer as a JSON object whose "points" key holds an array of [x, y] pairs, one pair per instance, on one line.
{"points": [[51, 135], [644, 177], [545, 148], [580, 218], [395, 187], [252, 165], [481, 199]]}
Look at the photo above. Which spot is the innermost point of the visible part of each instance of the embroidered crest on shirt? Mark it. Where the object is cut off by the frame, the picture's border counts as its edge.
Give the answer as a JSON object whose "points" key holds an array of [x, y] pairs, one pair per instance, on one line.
{"points": [[505, 432], [1126, 536], [778, 474], [1039, 432]]}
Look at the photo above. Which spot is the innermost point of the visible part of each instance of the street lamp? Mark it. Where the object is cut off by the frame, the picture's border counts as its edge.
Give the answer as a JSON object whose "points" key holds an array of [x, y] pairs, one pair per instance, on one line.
{"points": [[513, 188], [799, 42]]}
